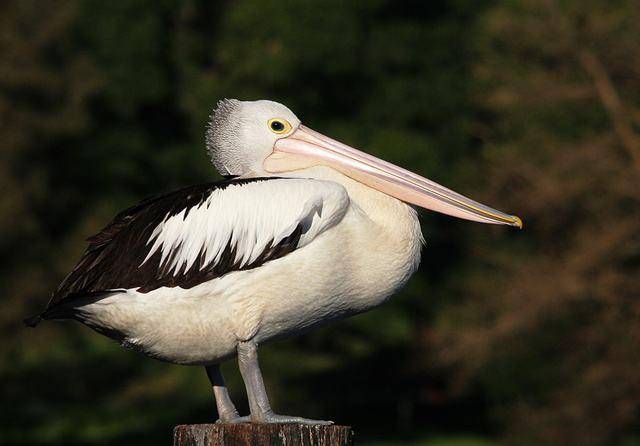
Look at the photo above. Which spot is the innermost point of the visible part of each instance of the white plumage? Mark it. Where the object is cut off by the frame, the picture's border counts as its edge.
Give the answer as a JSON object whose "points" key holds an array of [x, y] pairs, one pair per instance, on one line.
{"points": [[364, 248], [250, 218]]}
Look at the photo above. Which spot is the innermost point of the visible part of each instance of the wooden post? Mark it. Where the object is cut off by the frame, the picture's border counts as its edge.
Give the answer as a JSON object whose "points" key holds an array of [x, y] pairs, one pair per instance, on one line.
{"points": [[249, 434]]}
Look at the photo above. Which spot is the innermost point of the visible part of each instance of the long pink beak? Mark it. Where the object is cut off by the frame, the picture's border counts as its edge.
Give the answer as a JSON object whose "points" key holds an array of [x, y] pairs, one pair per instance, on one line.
{"points": [[305, 147]]}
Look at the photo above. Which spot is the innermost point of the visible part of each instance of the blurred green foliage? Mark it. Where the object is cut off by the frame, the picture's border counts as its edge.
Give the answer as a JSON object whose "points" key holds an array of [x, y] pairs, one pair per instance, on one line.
{"points": [[525, 337]]}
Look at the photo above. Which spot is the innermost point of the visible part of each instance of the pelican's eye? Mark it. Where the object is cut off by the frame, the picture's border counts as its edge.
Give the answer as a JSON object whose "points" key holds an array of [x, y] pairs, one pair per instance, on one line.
{"points": [[279, 126]]}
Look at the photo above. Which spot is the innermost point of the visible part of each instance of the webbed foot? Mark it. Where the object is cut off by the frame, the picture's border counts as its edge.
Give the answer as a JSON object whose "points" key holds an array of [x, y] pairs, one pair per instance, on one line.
{"points": [[237, 419], [271, 417]]}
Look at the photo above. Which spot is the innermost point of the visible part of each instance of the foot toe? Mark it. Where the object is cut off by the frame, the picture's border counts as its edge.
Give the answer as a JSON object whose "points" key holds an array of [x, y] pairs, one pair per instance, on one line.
{"points": [[234, 420], [286, 419]]}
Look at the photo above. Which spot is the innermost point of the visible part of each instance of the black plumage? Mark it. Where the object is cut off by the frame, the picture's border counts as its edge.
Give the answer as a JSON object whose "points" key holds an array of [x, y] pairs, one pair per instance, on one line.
{"points": [[114, 258]]}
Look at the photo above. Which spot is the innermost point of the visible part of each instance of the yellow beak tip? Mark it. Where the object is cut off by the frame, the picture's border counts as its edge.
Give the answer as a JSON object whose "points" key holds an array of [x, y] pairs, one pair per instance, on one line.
{"points": [[517, 222]]}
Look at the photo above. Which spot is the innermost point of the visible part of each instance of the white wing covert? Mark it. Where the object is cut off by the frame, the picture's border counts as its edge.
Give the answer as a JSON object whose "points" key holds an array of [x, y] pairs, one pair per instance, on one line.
{"points": [[249, 220]]}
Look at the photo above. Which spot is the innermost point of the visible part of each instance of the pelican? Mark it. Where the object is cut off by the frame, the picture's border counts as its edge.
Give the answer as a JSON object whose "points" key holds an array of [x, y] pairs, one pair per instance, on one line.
{"points": [[303, 230]]}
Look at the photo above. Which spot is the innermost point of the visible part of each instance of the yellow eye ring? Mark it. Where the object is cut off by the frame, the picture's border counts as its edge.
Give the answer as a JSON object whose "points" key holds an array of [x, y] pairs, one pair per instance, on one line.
{"points": [[279, 126]]}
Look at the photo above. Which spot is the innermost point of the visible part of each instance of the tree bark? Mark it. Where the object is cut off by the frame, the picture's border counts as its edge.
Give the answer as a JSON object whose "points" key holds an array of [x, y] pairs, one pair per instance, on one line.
{"points": [[250, 434]]}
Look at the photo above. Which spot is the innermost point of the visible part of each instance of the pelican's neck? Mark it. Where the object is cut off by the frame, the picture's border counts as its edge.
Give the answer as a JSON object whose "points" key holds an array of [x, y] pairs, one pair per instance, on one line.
{"points": [[386, 232], [378, 206]]}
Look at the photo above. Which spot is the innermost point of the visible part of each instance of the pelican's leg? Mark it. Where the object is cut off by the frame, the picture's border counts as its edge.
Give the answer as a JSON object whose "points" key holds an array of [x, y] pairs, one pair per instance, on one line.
{"points": [[256, 393], [226, 410]]}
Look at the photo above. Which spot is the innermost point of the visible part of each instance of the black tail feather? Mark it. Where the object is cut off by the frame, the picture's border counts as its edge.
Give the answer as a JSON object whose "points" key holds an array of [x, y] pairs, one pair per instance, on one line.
{"points": [[33, 321], [67, 309]]}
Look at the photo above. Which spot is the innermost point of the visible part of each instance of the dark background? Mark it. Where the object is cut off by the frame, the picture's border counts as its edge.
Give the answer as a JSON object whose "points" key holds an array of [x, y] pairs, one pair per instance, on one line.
{"points": [[503, 336]]}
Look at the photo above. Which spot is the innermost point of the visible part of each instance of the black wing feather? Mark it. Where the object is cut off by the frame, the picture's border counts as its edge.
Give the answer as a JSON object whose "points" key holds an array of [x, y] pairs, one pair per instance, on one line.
{"points": [[114, 257]]}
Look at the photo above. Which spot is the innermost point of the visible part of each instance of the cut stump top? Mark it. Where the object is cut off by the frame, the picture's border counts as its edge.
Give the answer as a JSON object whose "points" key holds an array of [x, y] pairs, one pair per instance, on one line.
{"points": [[250, 434]]}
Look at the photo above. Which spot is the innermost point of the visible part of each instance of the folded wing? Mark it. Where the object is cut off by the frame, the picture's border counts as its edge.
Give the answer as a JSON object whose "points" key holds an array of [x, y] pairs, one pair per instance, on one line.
{"points": [[202, 232]]}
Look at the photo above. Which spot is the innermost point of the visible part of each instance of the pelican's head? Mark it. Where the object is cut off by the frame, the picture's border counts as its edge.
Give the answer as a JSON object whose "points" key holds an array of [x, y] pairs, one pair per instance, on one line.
{"points": [[242, 134], [265, 138]]}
